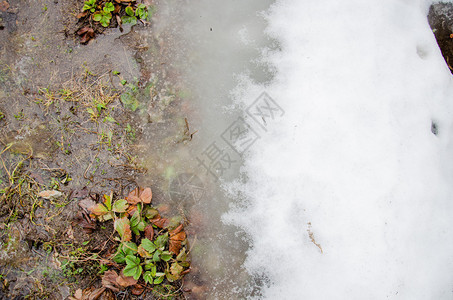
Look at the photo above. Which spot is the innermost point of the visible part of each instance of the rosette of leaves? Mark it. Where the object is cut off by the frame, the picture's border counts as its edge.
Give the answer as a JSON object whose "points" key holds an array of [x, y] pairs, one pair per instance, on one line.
{"points": [[105, 15], [90, 5], [151, 248]]}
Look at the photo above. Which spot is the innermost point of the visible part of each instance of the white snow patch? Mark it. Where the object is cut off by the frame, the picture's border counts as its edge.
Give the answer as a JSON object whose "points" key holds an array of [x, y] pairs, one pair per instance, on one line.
{"points": [[361, 83]]}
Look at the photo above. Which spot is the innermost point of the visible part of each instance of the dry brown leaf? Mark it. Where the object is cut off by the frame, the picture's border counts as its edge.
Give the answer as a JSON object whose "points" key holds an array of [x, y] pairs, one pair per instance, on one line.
{"points": [[176, 230], [125, 281], [135, 192], [140, 195], [50, 194], [177, 236], [109, 280], [86, 33], [137, 290], [117, 11], [82, 14], [131, 199], [174, 246], [160, 222], [149, 232], [146, 195], [95, 294]]}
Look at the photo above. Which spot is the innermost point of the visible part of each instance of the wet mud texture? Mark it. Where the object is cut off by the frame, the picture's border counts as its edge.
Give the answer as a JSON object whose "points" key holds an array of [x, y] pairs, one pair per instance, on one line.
{"points": [[68, 123]]}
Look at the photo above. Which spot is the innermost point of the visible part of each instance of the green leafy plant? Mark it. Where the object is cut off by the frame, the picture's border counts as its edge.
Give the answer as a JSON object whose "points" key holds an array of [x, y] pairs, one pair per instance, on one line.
{"points": [[90, 5], [109, 7], [129, 18], [151, 248], [142, 12], [103, 17]]}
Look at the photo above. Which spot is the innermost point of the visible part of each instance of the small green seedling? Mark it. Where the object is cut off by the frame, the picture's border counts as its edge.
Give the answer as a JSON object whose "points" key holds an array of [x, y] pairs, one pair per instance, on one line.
{"points": [[109, 7], [130, 16], [90, 5], [142, 12], [103, 17]]}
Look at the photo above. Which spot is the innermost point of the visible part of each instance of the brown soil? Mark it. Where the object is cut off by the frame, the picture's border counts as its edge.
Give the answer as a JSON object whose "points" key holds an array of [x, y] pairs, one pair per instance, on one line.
{"points": [[64, 126]]}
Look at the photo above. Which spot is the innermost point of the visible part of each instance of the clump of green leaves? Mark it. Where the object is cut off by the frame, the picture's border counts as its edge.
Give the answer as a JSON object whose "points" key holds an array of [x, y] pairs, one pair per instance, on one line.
{"points": [[151, 248], [102, 11], [90, 5]]}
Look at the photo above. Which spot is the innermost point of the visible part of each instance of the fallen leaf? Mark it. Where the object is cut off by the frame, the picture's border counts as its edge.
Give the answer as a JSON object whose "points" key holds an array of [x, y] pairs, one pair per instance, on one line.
{"points": [[88, 294], [140, 195], [83, 30], [137, 290], [174, 246], [160, 222], [95, 294], [4, 6], [146, 195], [149, 232], [125, 281], [109, 280], [177, 236], [82, 14], [50, 194], [86, 34], [176, 230], [120, 22], [131, 199], [87, 224]]}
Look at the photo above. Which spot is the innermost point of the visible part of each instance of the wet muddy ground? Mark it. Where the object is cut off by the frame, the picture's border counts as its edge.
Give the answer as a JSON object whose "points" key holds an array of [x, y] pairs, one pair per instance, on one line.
{"points": [[74, 119], [89, 119]]}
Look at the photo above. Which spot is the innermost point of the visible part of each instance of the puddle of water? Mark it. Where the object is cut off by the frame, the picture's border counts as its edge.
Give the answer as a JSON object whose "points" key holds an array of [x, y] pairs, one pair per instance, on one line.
{"points": [[214, 46]]}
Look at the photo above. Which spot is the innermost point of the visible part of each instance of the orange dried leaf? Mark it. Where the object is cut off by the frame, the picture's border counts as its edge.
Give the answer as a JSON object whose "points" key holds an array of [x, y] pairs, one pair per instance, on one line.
{"points": [[109, 280], [125, 281], [137, 290], [82, 14], [135, 192], [146, 195], [176, 230], [131, 199], [149, 232], [160, 222], [178, 237], [175, 246]]}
